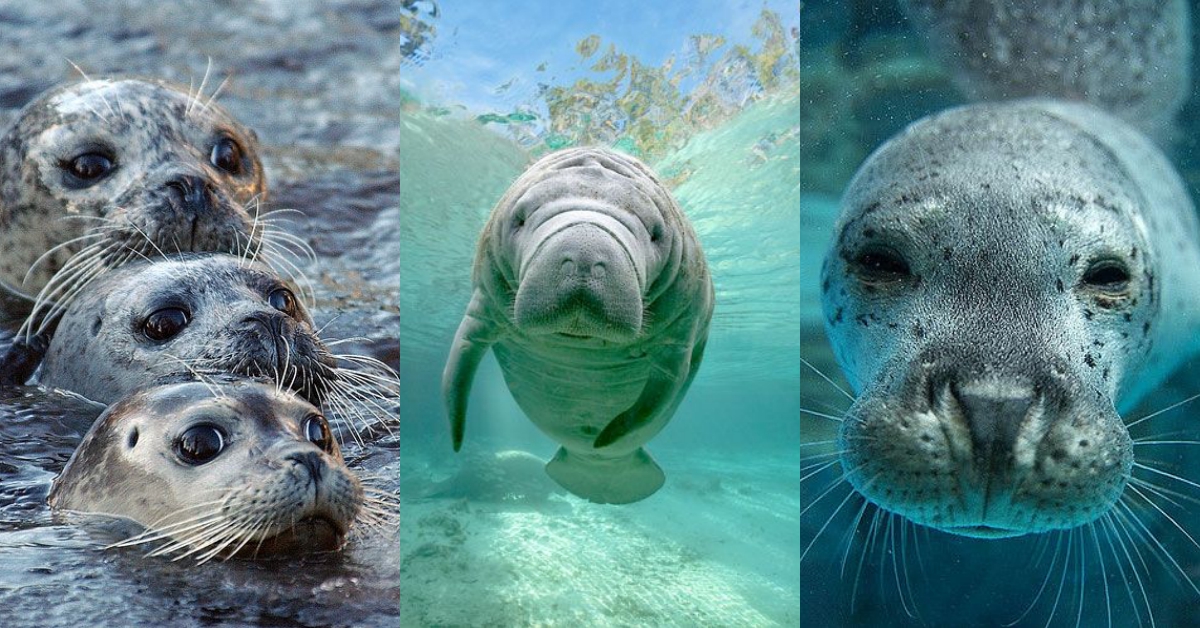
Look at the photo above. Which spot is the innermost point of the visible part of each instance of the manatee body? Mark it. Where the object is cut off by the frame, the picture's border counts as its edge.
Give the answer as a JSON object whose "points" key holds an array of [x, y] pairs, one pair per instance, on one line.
{"points": [[591, 288]]}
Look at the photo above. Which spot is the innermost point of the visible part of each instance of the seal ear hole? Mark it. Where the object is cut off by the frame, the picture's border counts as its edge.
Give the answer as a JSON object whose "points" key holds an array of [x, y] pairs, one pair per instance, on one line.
{"points": [[880, 265], [1107, 276], [132, 441], [200, 444]]}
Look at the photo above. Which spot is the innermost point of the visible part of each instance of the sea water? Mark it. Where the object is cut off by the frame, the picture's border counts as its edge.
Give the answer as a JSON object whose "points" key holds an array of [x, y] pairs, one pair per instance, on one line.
{"points": [[705, 93]]}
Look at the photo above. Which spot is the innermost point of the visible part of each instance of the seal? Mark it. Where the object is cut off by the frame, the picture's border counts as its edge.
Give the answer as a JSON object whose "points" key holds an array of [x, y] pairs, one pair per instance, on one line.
{"points": [[204, 314], [1004, 279], [99, 172], [215, 470], [1131, 59], [591, 288]]}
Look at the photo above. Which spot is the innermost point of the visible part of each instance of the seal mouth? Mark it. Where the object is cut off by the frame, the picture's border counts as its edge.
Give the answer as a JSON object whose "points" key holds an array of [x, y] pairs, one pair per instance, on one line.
{"points": [[985, 531], [315, 533]]}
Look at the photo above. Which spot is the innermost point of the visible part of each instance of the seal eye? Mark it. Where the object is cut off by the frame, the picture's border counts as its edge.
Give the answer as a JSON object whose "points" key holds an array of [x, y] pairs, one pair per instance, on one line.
{"points": [[165, 324], [200, 444], [283, 300], [879, 265], [316, 430], [1108, 276], [227, 155], [89, 168]]}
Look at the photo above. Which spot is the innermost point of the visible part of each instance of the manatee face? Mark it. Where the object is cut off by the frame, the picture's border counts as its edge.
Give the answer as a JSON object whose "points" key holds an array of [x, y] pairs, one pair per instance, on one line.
{"points": [[581, 243], [207, 314], [133, 164], [989, 295], [237, 461]]}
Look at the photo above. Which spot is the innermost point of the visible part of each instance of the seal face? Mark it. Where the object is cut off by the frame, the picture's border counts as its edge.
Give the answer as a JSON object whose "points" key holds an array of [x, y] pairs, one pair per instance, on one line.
{"points": [[593, 291], [1003, 277], [96, 173], [215, 470], [192, 313]]}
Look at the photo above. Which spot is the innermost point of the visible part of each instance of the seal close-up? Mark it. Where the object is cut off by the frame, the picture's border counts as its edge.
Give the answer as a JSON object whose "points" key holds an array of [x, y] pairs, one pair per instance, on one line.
{"points": [[591, 288], [214, 470]]}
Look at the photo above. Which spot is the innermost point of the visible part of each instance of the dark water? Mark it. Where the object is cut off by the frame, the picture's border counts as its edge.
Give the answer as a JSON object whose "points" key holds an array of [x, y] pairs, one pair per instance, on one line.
{"points": [[318, 83], [865, 76]]}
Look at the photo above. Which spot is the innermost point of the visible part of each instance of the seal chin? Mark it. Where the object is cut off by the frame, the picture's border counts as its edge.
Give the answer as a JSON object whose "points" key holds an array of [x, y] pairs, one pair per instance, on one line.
{"points": [[317, 533], [985, 531]]}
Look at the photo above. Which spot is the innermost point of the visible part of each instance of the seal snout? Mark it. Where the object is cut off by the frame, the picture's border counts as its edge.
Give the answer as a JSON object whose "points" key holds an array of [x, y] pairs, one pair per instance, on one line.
{"points": [[191, 193]]}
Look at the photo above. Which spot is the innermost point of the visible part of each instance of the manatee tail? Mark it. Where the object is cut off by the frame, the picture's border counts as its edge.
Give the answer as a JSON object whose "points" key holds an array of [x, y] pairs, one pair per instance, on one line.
{"points": [[607, 480]]}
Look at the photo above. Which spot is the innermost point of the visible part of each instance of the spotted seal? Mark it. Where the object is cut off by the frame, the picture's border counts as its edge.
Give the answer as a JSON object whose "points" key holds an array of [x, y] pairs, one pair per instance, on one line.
{"points": [[208, 314], [591, 288], [215, 470], [1004, 279], [98, 172]]}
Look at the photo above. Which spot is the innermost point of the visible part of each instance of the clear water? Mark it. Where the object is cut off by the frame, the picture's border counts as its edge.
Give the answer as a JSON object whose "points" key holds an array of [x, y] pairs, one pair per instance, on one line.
{"points": [[318, 82], [487, 539], [865, 76]]}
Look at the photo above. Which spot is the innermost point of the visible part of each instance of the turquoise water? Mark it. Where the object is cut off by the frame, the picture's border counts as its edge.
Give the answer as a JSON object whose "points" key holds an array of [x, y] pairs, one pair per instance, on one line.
{"points": [[706, 95], [865, 76]]}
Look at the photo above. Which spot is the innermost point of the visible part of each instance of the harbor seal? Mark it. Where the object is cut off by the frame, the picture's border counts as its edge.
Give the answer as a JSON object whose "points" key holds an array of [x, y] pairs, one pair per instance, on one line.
{"points": [[215, 470], [591, 288], [207, 314], [1131, 59], [1004, 279], [99, 172]]}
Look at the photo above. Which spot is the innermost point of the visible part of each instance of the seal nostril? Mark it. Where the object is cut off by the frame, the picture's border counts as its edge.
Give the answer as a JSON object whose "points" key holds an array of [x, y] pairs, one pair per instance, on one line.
{"points": [[191, 191], [311, 461]]}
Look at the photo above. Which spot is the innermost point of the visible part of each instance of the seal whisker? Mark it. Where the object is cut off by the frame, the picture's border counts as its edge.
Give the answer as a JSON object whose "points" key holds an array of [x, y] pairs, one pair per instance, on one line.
{"points": [[1159, 412], [1110, 524], [1156, 544], [216, 92], [194, 100]]}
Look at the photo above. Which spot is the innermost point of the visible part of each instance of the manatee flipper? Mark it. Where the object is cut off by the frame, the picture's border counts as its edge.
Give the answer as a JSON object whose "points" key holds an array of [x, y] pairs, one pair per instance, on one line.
{"points": [[474, 337], [603, 480], [663, 392]]}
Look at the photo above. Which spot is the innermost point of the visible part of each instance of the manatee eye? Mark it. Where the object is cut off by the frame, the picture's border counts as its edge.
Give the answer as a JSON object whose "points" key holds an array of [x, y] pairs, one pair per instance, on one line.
{"points": [[316, 430], [1109, 276], [200, 444], [880, 265], [88, 168], [165, 324], [283, 300], [227, 155]]}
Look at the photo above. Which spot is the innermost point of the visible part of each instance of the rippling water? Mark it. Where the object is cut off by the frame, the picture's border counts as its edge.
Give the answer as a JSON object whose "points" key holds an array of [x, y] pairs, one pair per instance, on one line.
{"points": [[318, 82], [487, 539]]}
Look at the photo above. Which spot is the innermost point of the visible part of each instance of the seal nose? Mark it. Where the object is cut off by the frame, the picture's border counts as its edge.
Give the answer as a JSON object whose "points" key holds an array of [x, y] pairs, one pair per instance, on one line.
{"points": [[994, 413], [311, 461], [192, 192]]}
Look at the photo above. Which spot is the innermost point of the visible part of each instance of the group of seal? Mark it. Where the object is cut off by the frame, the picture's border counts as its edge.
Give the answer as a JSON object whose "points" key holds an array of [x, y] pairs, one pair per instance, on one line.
{"points": [[592, 289], [1007, 277], [129, 215]]}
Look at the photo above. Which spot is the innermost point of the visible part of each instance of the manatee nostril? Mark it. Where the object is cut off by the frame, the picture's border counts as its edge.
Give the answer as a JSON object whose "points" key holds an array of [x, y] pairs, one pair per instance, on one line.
{"points": [[568, 267], [599, 270]]}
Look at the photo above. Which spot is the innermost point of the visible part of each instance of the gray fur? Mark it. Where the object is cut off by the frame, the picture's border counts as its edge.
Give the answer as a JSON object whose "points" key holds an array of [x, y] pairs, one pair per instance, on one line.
{"points": [[990, 375]]}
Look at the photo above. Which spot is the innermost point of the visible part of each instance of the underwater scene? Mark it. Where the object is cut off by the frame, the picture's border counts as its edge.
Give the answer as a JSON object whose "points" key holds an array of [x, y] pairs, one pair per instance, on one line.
{"points": [[997, 311], [317, 82], [705, 95]]}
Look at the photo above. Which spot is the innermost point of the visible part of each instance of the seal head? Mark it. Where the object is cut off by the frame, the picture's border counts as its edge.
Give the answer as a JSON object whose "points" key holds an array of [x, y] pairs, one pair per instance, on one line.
{"points": [[215, 470], [997, 286]]}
